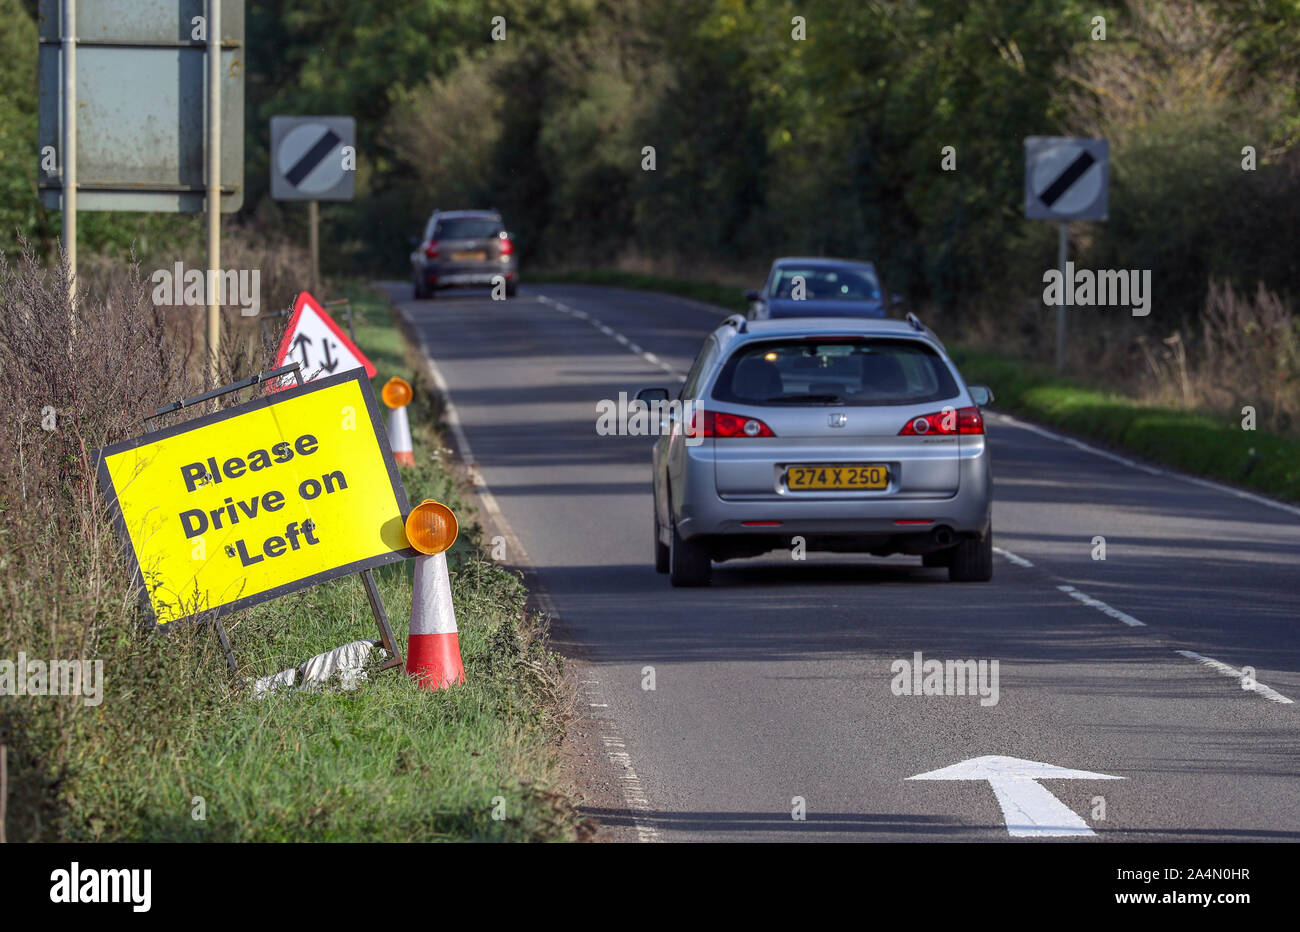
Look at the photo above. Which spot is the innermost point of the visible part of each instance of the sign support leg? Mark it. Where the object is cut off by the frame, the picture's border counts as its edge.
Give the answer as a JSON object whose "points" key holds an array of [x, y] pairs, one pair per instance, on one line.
{"points": [[70, 150], [224, 640], [1063, 249], [313, 220], [214, 186], [381, 619]]}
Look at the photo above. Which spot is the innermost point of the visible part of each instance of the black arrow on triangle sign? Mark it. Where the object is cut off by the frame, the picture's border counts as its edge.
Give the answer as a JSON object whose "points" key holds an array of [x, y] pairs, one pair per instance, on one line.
{"points": [[1073, 173], [329, 365], [300, 344]]}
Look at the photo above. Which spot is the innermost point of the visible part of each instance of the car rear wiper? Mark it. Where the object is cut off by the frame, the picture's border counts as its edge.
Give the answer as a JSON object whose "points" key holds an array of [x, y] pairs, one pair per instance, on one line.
{"points": [[811, 399]]}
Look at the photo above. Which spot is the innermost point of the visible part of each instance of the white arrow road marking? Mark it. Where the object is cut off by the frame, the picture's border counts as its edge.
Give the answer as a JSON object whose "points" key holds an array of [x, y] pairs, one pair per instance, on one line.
{"points": [[1029, 810]]}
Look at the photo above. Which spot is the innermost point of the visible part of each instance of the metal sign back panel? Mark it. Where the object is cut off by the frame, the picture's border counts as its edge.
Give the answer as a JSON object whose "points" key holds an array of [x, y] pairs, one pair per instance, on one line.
{"points": [[259, 500], [308, 161], [1066, 178], [141, 100]]}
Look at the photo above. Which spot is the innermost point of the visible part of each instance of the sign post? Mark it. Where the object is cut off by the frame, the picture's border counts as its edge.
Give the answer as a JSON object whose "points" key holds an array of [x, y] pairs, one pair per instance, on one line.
{"points": [[313, 159], [1066, 179], [214, 188], [69, 46]]}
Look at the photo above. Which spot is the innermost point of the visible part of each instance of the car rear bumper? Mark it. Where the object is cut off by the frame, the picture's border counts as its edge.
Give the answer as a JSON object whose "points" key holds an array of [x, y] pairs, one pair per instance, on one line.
{"points": [[700, 511], [441, 276]]}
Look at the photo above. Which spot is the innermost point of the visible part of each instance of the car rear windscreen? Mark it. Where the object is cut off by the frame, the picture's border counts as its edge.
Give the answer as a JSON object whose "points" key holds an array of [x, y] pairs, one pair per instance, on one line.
{"points": [[821, 283], [466, 228], [851, 371]]}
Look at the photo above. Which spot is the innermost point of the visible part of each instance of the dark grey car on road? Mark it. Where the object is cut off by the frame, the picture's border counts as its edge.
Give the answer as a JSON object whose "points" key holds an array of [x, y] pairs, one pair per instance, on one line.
{"points": [[808, 287], [464, 248]]}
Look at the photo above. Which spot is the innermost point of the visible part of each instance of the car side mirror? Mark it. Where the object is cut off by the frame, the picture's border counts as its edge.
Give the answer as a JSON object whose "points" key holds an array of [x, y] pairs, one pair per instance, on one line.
{"points": [[751, 295], [982, 395], [649, 396]]}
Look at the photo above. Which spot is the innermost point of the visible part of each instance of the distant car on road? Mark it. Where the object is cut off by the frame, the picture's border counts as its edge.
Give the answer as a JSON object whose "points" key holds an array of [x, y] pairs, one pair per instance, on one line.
{"points": [[854, 435], [463, 248], [804, 287]]}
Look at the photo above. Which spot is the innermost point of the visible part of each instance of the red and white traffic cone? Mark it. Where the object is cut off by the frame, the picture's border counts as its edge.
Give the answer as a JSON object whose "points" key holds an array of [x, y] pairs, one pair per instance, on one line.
{"points": [[433, 652], [397, 395], [399, 436]]}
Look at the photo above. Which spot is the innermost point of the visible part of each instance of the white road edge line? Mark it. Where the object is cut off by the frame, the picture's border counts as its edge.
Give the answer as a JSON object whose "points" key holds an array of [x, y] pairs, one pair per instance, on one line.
{"points": [[1102, 607], [1248, 683], [620, 760], [1017, 560]]}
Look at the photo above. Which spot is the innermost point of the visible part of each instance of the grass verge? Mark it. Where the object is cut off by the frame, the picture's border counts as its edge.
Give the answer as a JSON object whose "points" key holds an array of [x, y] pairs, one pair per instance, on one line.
{"points": [[1194, 441]]}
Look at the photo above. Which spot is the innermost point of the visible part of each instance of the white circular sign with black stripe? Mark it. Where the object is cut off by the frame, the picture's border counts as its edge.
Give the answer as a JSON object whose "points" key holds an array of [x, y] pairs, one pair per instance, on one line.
{"points": [[312, 158], [1066, 179]]}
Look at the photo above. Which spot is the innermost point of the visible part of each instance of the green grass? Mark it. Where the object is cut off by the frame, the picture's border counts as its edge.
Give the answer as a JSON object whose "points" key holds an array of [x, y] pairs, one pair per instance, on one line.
{"points": [[1195, 441], [385, 761]]}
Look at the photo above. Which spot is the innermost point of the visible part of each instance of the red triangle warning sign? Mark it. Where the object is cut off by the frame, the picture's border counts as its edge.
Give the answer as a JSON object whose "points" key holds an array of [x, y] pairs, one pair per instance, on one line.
{"points": [[314, 340]]}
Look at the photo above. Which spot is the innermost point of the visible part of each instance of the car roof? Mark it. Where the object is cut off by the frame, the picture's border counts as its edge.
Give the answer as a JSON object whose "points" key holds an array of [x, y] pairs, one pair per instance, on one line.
{"points": [[473, 214], [813, 326], [821, 260]]}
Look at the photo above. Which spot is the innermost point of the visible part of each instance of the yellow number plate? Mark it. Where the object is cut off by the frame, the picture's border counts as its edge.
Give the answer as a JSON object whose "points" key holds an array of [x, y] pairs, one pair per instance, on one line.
{"points": [[468, 256], [845, 476]]}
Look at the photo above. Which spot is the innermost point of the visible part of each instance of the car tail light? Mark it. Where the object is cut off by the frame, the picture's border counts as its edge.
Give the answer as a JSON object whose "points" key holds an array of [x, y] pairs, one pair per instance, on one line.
{"points": [[948, 421], [431, 249], [507, 245], [721, 424]]}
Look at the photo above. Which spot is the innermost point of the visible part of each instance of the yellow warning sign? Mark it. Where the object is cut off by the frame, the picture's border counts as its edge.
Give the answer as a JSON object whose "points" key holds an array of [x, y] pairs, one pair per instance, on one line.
{"points": [[258, 500]]}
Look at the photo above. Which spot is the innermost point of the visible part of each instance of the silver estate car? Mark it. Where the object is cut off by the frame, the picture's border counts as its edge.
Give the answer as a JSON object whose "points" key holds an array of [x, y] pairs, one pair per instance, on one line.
{"points": [[858, 436]]}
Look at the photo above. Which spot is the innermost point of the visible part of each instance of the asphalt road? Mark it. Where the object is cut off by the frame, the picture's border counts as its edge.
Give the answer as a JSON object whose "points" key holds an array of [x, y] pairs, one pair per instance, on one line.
{"points": [[775, 683]]}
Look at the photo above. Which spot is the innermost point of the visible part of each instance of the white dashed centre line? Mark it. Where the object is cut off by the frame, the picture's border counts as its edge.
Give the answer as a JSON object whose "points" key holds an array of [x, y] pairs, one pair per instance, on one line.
{"points": [[1247, 681], [609, 331]]}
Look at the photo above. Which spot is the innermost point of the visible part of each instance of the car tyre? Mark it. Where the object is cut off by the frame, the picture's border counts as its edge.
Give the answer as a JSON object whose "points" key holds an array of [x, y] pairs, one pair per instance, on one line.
{"points": [[512, 289], [972, 560], [689, 562], [661, 549]]}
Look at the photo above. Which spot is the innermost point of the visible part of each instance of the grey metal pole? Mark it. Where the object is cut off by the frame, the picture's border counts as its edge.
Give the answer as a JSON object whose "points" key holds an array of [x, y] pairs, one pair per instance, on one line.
{"points": [[70, 148], [1063, 250], [313, 220], [214, 185]]}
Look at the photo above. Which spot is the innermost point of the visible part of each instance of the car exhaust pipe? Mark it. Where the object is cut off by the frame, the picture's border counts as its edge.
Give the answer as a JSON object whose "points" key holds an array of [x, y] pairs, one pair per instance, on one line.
{"points": [[943, 536]]}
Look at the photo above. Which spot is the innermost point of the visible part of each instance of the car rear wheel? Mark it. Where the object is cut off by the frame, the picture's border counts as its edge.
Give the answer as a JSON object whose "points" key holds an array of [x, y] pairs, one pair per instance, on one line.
{"points": [[689, 563], [661, 549], [512, 289], [972, 560], [418, 292]]}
